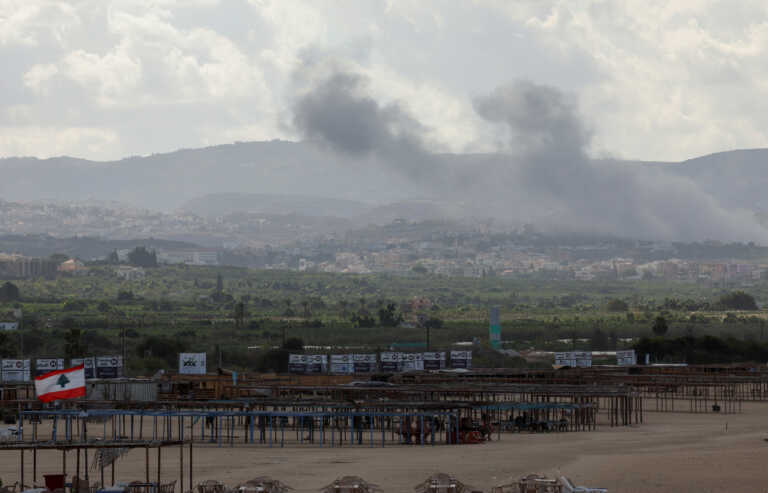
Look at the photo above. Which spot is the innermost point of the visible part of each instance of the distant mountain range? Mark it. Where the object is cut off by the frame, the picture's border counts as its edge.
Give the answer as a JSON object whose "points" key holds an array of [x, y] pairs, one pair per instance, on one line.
{"points": [[282, 177]]}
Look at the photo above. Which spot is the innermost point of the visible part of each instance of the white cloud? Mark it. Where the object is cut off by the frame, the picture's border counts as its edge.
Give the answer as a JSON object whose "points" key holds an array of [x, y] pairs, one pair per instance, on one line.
{"points": [[32, 23], [56, 141], [658, 79], [37, 76]]}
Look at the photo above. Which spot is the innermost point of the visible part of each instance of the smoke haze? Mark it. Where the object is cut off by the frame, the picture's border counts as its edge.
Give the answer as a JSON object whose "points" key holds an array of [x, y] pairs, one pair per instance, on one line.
{"points": [[543, 175]]}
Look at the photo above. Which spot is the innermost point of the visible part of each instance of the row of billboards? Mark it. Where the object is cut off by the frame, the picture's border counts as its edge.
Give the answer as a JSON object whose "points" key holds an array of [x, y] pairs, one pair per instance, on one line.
{"points": [[583, 359], [21, 370], [393, 362]]}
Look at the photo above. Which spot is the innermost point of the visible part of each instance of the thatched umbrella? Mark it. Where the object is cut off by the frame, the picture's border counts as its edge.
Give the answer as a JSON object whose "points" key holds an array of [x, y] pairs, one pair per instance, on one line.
{"points": [[442, 483], [351, 484], [264, 484]]}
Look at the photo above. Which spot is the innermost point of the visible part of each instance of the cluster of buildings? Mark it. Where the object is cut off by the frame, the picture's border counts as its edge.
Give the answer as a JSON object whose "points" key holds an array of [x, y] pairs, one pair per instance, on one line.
{"points": [[526, 264], [97, 220], [21, 267]]}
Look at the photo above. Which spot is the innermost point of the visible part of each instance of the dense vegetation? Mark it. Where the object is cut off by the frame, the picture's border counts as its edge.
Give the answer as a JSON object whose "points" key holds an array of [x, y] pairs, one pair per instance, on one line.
{"points": [[225, 311]]}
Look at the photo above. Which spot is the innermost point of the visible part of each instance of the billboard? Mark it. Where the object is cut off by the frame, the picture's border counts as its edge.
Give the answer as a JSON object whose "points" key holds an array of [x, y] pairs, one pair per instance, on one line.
{"points": [[9, 325], [434, 360], [342, 363], [364, 363], [16, 370], [307, 363], [626, 358], [390, 362], [583, 359], [317, 363], [47, 365], [109, 367], [297, 363], [565, 359], [88, 363], [461, 359], [192, 363], [494, 330], [411, 362], [574, 359]]}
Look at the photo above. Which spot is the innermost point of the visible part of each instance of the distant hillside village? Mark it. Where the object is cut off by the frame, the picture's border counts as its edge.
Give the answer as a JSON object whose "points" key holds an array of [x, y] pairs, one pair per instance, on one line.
{"points": [[405, 260], [290, 241]]}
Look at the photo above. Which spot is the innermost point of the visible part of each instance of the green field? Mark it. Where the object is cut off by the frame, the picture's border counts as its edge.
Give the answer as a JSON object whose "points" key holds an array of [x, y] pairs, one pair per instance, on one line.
{"points": [[180, 308]]}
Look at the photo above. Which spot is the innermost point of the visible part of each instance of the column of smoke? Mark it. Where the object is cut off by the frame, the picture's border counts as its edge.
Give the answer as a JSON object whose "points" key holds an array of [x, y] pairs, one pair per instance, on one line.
{"points": [[544, 174]]}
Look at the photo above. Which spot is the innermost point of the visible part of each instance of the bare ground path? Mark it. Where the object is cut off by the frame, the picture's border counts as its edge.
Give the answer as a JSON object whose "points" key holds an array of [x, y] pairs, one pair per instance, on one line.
{"points": [[670, 453]]}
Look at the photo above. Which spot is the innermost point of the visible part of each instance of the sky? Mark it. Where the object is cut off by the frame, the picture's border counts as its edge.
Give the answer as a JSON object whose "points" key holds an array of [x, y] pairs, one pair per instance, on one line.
{"points": [[651, 80]]}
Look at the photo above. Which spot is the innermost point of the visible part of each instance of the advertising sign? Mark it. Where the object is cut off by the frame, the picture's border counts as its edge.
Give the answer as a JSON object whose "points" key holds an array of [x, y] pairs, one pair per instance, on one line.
{"points": [[574, 359], [626, 358], [16, 370], [297, 363], [90, 366], [583, 359], [565, 359], [364, 363], [109, 367], [307, 363], [411, 362], [461, 359], [434, 360], [317, 363], [390, 362], [192, 363], [342, 363], [47, 365], [9, 325]]}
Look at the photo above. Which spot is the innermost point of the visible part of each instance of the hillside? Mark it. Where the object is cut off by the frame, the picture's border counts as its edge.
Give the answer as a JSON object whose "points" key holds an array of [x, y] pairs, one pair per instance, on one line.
{"points": [[268, 177]]}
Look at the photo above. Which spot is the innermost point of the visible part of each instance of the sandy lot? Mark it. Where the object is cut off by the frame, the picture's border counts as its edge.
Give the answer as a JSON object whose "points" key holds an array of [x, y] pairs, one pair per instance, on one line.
{"points": [[669, 453]]}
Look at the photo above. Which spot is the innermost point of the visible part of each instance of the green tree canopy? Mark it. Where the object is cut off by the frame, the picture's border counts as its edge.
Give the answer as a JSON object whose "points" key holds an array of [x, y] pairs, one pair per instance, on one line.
{"points": [[9, 292], [737, 300], [617, 305], [660, 326], [141, 257]]}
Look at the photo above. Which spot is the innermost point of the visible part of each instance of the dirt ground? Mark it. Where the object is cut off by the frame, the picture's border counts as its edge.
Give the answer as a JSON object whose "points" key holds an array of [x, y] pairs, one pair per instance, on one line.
{"points": [[669, 453]]}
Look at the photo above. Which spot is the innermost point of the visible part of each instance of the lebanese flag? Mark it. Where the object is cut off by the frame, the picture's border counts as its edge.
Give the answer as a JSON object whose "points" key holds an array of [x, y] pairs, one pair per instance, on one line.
{"points": [[61, 384]]}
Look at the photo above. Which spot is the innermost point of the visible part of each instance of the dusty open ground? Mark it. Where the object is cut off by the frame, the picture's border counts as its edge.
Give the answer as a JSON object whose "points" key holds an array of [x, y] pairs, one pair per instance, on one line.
{"points": [[669, 453]]}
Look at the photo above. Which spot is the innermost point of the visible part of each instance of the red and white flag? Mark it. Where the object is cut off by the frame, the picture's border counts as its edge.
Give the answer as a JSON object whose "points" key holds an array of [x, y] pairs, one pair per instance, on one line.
{"points": [[61, 384]]}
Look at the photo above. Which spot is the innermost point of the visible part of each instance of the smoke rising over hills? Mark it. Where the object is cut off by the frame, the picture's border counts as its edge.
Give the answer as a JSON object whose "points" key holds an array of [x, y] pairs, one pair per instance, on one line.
{"points": [[545, 175], [365, 154]]}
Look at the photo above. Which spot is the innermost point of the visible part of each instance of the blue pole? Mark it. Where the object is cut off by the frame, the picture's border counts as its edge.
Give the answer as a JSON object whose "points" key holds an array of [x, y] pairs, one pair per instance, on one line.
{"points": [[270, 430], [432, 428]]}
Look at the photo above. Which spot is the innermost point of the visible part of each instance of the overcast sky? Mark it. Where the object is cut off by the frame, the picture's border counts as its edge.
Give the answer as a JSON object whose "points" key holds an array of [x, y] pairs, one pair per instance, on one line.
{"points": [[656, 80]]}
